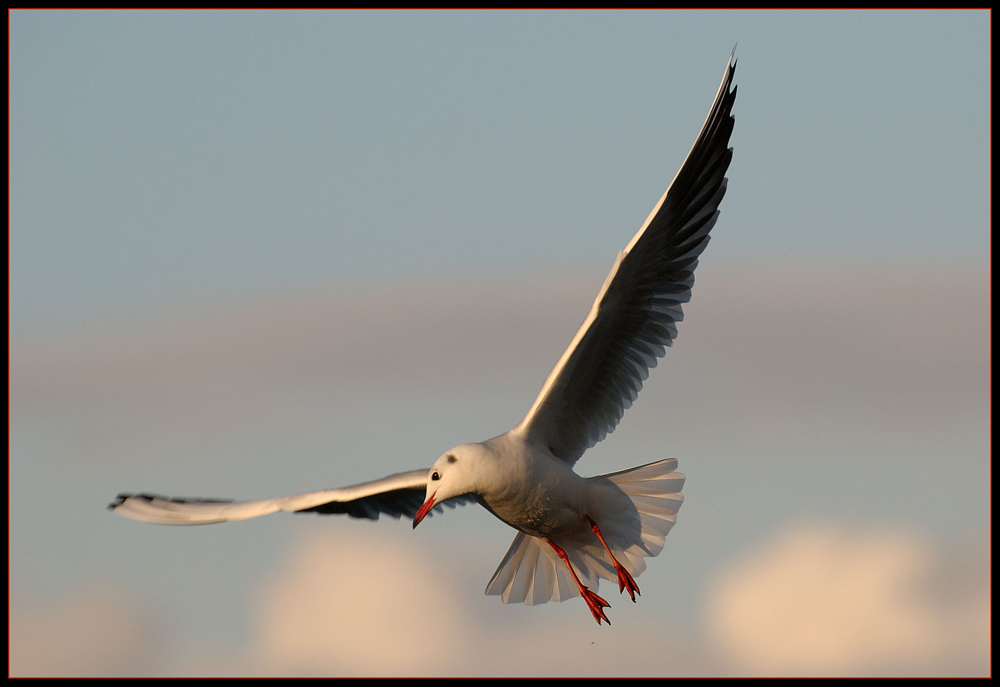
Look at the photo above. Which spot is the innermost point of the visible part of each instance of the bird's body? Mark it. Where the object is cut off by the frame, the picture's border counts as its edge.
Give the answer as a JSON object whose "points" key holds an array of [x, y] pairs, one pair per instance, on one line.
{"points": [[527, 487], [572, 530]]}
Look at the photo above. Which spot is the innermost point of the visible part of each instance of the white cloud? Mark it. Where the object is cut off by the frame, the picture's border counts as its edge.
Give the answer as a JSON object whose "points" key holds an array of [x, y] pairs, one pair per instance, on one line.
{"points": [[836, 600], [819, 600], [348, 604]]}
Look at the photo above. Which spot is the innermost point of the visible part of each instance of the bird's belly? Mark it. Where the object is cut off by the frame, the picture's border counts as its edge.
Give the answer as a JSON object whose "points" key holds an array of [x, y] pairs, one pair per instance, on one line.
{"points": [[540, 516], [535, 492]]}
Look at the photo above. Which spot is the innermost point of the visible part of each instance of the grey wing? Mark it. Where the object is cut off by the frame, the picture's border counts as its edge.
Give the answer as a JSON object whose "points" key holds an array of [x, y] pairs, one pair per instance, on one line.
{"points": [[397, 495], [636, 312]]}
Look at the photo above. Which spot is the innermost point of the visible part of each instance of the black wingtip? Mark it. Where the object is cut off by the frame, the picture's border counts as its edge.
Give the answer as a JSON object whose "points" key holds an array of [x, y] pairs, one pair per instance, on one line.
{"points": [[119, 500]]}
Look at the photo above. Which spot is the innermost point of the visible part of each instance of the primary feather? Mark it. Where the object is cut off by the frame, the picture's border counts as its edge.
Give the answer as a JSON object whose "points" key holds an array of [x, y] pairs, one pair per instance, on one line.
{"points": [[637, 310]]}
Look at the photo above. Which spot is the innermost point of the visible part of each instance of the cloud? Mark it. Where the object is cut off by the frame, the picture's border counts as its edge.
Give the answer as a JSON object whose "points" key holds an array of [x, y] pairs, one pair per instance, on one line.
{"points": [[860, 356], [345, 604], [820, 599], [384, 330], [827, 599], [844, 349], [180, 380], [90, 631], [820, 330], [836, 351], [349, 604]]}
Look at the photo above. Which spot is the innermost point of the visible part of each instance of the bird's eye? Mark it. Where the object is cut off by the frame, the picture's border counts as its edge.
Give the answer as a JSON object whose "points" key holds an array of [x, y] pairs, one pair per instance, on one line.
{"points": [[435, 476]]}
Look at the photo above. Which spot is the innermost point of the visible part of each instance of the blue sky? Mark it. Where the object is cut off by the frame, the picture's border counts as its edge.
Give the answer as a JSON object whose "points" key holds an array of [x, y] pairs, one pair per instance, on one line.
{"points": [[163, 155], [258, 253]]}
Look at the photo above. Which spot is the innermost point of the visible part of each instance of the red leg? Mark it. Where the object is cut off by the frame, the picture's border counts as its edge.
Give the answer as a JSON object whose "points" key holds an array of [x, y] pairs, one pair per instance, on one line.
{"points": [[596, 603], [625, 580]]}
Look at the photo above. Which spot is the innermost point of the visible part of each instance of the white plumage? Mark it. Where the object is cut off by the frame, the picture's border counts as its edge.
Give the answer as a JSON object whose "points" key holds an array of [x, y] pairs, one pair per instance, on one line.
{"points": [[571, 530]]}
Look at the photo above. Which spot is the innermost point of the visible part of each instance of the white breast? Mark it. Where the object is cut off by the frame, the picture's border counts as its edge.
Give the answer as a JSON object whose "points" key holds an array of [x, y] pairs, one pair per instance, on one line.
{"points": [[533, 491]]}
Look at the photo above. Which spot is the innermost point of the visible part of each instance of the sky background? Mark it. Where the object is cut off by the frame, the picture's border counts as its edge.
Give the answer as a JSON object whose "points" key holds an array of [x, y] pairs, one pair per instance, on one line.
{"points": [[260, 253]]}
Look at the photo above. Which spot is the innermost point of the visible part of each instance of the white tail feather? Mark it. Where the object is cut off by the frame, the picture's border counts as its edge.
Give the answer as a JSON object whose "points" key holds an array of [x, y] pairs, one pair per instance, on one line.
{"points": [[532, 573]]}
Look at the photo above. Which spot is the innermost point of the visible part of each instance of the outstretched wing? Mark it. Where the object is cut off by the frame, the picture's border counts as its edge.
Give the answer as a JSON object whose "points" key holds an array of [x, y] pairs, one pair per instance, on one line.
{"points": [[637, 310], [396, 495]]}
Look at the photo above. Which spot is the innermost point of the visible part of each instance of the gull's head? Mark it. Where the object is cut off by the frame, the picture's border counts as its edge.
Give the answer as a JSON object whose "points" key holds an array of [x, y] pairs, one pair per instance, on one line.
{"points": [[453, 474]]}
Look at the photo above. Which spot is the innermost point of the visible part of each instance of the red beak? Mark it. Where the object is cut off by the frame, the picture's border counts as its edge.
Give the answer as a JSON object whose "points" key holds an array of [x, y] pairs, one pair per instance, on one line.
{"points": [[424, 510]]}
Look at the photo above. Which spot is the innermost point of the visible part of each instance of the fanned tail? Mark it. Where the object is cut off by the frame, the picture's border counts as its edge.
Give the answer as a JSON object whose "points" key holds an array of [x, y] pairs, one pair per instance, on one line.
{"points": [[532, 573]]}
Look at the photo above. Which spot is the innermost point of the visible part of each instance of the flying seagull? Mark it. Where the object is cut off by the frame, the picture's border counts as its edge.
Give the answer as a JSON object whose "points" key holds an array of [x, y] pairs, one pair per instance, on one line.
{"points": [[571, 530]]}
